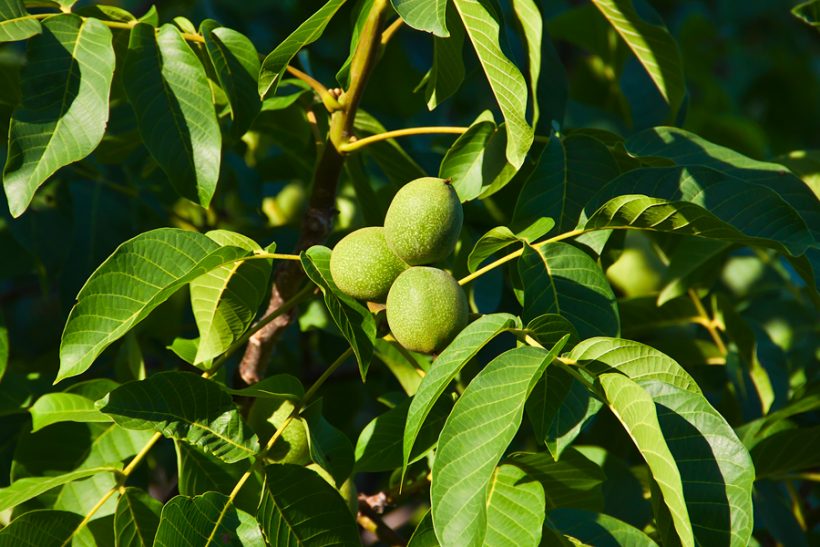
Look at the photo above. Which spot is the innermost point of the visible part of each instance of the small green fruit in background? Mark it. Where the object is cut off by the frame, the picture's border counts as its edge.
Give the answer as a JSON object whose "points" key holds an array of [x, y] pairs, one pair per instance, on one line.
{"points": [[426, 308], [363, 267], [423, 221], [266, 416]]}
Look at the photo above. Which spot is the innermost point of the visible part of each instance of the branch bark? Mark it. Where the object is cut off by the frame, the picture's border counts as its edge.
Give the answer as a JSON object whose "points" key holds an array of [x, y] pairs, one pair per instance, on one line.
{"points": [[321, 211]]}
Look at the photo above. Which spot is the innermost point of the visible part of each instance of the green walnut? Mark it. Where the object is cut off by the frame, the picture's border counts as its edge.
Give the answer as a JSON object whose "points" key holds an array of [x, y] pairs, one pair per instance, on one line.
{"points": [[362, 265], [423, 221], [426, 308], [266, 416]]}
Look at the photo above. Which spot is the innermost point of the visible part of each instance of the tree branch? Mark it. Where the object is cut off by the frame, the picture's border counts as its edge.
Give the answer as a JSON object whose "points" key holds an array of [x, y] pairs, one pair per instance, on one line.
{"points": [[321, 211]]}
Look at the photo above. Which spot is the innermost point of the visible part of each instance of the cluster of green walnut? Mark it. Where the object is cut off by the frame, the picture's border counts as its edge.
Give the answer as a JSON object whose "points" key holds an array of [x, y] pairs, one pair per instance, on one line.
{"points": [[426, 307]]}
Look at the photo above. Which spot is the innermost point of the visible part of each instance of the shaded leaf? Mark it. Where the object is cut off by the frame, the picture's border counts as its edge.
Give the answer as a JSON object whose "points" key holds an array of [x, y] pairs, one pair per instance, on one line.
{"points": [[483, 28], [562, 279], [355, 322], [808, 12], [299, 508], [424, 535], [141, 274], [185, 407], [237, 67], [515, 508], [308, 32], [483, 422], [278, 386], [572, 481], [547, 329], [787, 451], [568, 173], [225, 300], [209, 519], [458, 353], [502, 237], [199, 473], [715, 468], [329, 447], [25, 489], [168, 88], [43, 528], [64, 407], [597, 529], [136, 519], [65, 87], [635, 409], [4, 346], [652, 44], [558, 409], [426, 15], [690, 259], [447, 73]]}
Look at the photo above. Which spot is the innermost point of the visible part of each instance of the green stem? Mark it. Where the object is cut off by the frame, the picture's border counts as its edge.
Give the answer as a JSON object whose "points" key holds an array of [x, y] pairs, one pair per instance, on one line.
{"points": [[354, 145]]}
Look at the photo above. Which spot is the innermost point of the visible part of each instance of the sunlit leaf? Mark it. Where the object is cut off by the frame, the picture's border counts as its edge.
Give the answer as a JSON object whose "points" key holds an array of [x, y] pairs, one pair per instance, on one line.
{"points": [[15, 22], [634, 408], [64, 407], [30, 487], [426, 15], [464, 347], [447, 73], [141, 274], [43, 528], [515, 508], [226, 299], [308, 32], [65, 87], [168, 88], [185, 407], [483, 27], [475, 436], [355, 322]]}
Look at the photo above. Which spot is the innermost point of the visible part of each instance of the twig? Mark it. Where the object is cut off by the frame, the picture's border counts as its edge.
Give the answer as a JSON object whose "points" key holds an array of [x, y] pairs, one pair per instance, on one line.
{"points": [[384, 532]]}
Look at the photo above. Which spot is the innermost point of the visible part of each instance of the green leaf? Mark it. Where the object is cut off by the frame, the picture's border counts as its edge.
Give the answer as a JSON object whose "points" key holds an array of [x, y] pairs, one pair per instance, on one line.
{"points": [[447, 365], [687, 149], [787, 451], [502, 237], [424, 535], [355, 322], [199, 473], [237, 68], [715, 468], [43, 528], [483, 27], [689, 260], [477, 162], [572, 481], [168, 88], [559, 408], [308, 32], [185, 407], [808, 12], [562, 279], [757, 218], [25, 489], [65, 87], [136, 519], [209, 519], [398, 166], [447, 73], [568, 173], [64, 407], [329, 447], [140, 275], [641, 363], [225, 300], [515, 508], [652, 45], [278, 386], [634, 408], [15, 22], [4, 346], [114, 444], [299, 508], [483, 422], [547, 329], [426, 15], [597, 529], [532, 27], [379, 447]]}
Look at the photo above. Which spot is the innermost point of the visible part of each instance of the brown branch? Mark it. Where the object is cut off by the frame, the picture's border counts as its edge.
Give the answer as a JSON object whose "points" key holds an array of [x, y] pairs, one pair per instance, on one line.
{"points": [[318, 220], [370, 509]]}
